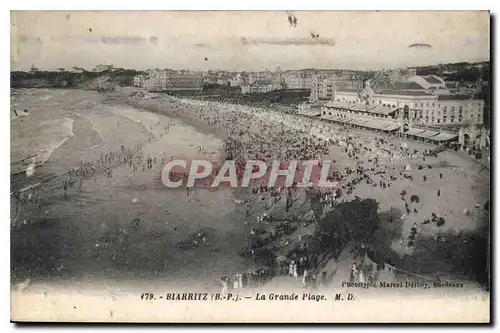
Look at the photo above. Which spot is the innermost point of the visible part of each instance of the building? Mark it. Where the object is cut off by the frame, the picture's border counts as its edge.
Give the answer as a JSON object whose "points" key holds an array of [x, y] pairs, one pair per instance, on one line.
{"points": [[425, 99], [257, 76], [238, 80], [184, 82], [102, 68], [210, 77], [76, 70], [324, 89], [350, 76], [411, 71], [418, 108], [246, 89], [167, 80], [298, 80], [464, 87], [139, 81], [383, 119], [260, 86], [293, 81]]}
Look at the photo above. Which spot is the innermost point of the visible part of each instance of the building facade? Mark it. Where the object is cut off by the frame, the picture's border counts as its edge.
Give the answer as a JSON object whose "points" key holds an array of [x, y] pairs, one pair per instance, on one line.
{"points": [[76, 70], [139, 81], [102, 68], [165, 80], [425, 101], [297, 80], [324, 89], [260, 86]]}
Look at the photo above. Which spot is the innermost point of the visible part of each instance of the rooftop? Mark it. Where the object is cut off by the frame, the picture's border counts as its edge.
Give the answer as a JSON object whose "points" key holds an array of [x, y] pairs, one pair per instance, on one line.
{"points": [[431, 79], [406, 92], [411, 86], [461, 97], [350, 90], [263, 82]]}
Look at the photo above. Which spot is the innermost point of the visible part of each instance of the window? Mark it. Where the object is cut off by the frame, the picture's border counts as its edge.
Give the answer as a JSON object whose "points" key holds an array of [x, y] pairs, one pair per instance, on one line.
{"points": [[452, 119], [439, 120], [432, 120], [433, 104], [422, 104], [427, 104]]}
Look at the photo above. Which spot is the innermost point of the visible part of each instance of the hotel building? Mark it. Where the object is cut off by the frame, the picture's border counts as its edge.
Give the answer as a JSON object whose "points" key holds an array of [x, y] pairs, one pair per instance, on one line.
{"points": [[425, 98], [420, 107], [165, 80]]}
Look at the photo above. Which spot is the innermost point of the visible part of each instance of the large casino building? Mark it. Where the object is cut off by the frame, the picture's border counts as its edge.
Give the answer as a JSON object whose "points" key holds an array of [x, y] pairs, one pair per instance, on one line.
{"points": [[420, 107]]}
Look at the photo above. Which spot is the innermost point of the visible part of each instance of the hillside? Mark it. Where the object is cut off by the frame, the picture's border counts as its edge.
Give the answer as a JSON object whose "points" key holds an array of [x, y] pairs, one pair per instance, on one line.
{"points": [[87, 80]]}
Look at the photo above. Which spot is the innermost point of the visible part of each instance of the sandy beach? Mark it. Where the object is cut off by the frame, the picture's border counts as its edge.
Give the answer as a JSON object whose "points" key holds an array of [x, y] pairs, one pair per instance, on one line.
{"points": [[64, 233], [60, 239]]}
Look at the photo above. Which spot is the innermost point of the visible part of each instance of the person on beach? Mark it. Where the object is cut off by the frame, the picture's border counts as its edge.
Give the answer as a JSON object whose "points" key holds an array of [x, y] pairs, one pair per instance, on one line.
{"points": [[65, 186], [224, 285], [295, 271], [305, 277]]}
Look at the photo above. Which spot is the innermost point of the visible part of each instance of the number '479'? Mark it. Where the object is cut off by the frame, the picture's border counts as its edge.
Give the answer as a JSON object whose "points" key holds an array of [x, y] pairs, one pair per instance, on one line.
{"points": [[147, 296]]}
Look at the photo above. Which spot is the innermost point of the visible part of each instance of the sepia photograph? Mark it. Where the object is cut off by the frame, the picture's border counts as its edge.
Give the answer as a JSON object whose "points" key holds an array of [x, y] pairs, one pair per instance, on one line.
{"points": [[250, 166]]}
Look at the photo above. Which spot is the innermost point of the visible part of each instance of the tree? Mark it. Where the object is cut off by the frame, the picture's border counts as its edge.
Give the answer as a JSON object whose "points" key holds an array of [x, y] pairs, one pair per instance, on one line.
{"points": [[352, 221]]}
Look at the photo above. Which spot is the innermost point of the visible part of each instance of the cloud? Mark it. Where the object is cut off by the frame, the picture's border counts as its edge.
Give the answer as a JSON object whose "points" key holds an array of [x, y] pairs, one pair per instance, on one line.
{"points": [[109, 40], [288, 41], [420, 46], [205, 46], [123, 40]]}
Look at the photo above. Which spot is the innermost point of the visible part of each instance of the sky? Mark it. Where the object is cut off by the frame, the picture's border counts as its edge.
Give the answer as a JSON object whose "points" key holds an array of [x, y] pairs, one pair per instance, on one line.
{"points": [[251, 40]]}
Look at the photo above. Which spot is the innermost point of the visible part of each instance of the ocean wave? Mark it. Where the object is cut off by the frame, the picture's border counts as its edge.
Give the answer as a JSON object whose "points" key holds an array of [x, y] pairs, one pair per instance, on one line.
{"points": [[39, 143], [99, 134], [145, 119]]}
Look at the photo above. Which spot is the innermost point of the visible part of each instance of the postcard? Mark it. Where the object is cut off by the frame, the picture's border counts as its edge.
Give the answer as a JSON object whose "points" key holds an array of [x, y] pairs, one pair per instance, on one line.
{"points": [[250, 166]]}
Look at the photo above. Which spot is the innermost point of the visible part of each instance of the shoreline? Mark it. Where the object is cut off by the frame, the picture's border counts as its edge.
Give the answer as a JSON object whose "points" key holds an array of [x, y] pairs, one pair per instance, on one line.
{"points": [[45, 151], [143, 105]]}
